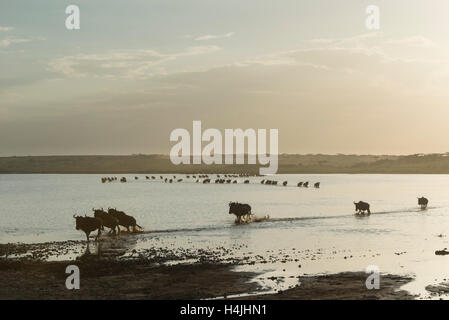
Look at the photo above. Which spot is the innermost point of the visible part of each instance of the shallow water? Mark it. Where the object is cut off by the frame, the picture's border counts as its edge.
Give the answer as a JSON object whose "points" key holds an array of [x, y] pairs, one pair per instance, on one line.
{"points": [[398, 237]]}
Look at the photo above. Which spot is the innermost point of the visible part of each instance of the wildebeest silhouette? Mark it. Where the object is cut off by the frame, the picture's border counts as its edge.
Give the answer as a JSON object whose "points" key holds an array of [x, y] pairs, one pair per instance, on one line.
{"points": [[241, 210], [88, 224], [124, 219], [317, 185], [107, 220], [423, 202], [361, 207]]}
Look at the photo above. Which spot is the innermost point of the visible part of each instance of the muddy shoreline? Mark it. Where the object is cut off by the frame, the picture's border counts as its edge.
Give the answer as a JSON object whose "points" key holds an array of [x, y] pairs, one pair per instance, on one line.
{"points": [[120, 273]]}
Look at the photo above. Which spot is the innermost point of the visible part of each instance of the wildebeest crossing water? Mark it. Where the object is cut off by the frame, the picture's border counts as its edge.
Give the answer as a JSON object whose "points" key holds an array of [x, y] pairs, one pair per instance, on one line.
{"points": [[39, 208], [88, 224], [107, 219], [111, 219]]}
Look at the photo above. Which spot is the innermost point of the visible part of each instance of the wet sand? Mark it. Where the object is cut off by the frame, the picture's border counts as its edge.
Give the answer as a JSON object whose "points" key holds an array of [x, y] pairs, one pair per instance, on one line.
{"points": [[343, 286], [112, 275]]}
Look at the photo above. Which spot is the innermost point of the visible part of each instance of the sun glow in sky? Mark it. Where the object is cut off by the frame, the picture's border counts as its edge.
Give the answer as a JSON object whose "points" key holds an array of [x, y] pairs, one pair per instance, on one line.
{"points": [[138, 69]]}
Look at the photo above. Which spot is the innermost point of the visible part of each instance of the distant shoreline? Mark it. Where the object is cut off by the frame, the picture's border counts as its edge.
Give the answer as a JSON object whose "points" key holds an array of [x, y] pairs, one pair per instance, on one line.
{"points": [[288, 164]]}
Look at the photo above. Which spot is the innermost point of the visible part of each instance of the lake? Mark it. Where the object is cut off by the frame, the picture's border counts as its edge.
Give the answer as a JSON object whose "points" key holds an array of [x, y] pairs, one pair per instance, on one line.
{"points": [[397, 237]]}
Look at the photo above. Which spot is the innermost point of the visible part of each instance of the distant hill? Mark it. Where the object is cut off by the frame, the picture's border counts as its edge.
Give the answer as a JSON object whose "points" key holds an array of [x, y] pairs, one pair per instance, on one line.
{"points": [[288, 163]]}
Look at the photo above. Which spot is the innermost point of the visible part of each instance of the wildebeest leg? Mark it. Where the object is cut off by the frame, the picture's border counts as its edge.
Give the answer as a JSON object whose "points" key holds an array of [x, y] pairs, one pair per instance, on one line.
{"points": [[98, 234]]}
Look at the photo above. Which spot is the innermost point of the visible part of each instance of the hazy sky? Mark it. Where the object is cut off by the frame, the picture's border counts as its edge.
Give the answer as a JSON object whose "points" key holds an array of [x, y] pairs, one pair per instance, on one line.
{"points": [[136, 70]]}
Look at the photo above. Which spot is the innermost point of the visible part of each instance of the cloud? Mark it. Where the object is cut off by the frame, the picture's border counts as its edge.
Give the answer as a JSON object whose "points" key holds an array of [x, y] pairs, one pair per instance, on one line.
{"points": [[6, 42], [413, 41], [12, 40], [5, 28], [344, 95], [127, 64], [211, 36]]}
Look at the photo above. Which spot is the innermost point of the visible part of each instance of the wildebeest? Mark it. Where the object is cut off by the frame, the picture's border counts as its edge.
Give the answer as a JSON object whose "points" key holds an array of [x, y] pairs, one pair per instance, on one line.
{"points": [[88, 224], [423, 202], [107, 220], [241, 210], [299, 184], [284, 183], [317, 185], [361, 207], [123, 179], [305, 184], [124, 219], [246, 182], [263, 181]]}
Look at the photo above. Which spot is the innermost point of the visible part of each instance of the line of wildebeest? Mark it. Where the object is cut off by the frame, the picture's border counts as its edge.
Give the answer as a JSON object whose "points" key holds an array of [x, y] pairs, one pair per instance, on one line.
{"points": [[111, 219], [243, 210], [114, 218], [220, 179]]}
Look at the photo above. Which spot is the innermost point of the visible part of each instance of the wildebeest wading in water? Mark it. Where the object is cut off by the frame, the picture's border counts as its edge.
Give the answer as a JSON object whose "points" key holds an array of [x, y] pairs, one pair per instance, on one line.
{"points": [[241, 210], [124, 219], [88, 224], [361, 207], [423, 202], [107, 219]]}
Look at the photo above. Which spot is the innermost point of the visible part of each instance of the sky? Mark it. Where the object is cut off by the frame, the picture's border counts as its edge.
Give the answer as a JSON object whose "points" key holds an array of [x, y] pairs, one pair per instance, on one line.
{"points": [[138, 69]]}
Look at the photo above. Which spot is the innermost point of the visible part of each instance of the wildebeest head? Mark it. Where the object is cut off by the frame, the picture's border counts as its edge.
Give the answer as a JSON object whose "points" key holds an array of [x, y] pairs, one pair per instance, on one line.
{"points": [[98, 211], [231, 206], [78, 222]]}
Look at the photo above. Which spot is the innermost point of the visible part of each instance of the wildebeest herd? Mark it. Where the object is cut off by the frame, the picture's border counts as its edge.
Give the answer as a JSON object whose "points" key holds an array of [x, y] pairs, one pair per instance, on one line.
{"points": [[114, 218], [205, 179], [111, 219]]}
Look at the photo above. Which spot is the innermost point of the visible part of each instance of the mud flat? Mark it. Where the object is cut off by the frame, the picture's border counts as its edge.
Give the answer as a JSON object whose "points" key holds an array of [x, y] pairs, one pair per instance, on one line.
{"points": [[119, 273], [343, 286]]}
